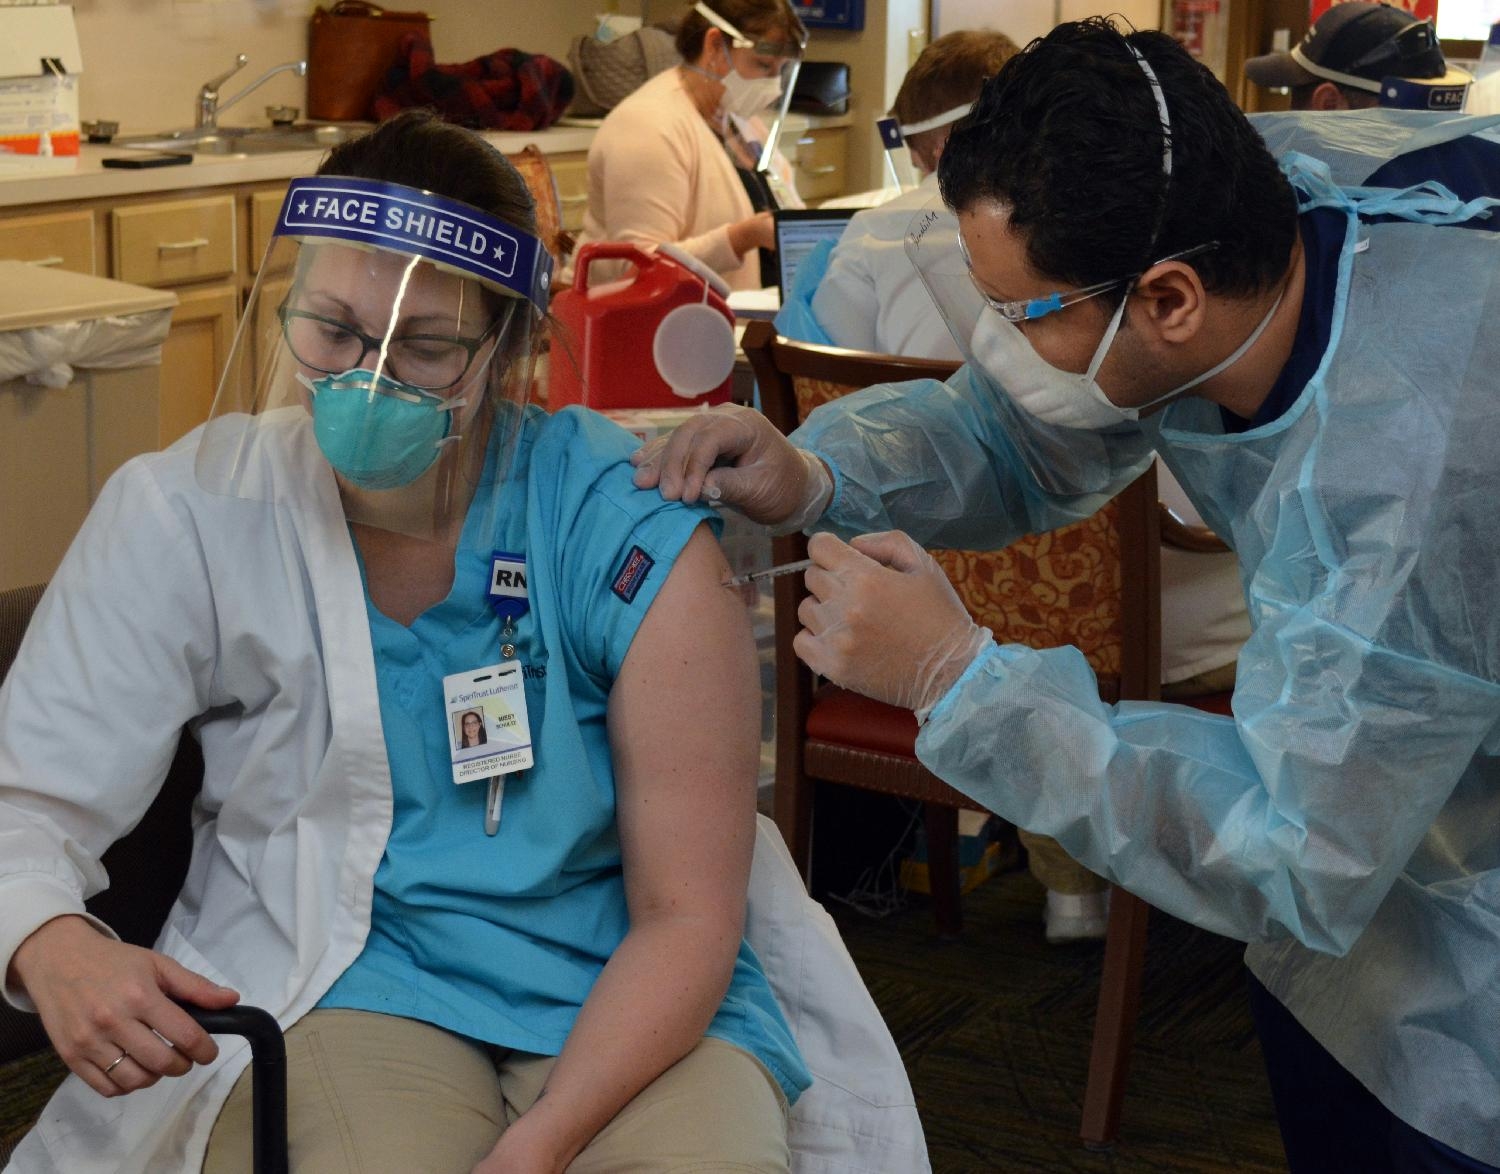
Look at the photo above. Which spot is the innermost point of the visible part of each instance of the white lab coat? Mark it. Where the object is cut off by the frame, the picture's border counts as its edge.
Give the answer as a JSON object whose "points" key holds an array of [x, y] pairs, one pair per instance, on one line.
{"points": [[870, 298], [175, 603]]}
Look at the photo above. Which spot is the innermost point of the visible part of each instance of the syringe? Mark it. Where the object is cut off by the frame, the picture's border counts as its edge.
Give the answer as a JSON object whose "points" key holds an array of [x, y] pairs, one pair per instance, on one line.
{"points": [[769, 573]]}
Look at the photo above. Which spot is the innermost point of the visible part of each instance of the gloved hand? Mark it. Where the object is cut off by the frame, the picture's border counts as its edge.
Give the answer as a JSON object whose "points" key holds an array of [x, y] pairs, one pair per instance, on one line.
{"points": [[732, 455], [882, 619]]}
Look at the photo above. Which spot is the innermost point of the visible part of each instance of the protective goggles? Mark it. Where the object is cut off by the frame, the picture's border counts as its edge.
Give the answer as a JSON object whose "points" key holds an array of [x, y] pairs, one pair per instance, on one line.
{"points": [[788, 50], [1411, 55], [1411, 52], [1030, 309]]}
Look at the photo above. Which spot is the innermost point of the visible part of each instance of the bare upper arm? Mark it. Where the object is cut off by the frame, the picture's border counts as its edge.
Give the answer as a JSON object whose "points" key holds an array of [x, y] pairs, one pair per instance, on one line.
{"points": [[684, 718]]}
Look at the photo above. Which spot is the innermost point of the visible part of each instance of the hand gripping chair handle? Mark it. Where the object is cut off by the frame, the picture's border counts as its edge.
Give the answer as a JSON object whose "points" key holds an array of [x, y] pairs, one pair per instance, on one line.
{"points": [[268, 1077]]}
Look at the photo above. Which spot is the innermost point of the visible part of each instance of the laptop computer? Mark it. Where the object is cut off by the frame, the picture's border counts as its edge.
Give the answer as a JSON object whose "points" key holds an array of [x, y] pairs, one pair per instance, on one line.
{"points": [[798, 231]]}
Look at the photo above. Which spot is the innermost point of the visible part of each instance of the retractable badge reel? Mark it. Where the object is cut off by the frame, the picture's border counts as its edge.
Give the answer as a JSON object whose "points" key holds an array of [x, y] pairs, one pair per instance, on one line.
{"points": [[488, 729]]}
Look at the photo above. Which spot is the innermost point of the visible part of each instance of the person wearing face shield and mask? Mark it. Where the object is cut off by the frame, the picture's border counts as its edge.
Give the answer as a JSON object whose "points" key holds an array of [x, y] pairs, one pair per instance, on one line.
{"points": [[687, 158], [864, 293], [373, 542], [1316, 364], [868, 296], [1360, 56]]}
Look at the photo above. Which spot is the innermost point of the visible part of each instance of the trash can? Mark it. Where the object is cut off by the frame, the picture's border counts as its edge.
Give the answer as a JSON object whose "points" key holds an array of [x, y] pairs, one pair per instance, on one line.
{"points": [[79, 395]]}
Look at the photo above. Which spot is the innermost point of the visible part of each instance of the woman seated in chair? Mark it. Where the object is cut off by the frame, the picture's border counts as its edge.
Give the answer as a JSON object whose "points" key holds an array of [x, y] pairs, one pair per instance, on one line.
{"points": [[526, 960]]}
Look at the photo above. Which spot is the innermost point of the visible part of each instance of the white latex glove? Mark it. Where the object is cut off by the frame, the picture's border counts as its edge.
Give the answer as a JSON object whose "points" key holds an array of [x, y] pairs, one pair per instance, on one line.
{"points": [[882, 619], [732, 455]]}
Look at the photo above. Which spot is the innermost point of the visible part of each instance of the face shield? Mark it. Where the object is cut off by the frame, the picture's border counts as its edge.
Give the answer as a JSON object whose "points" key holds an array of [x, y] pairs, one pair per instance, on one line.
{"points": [[1413, 72], [390, 336], [748, 97], [906, 131], [1062, 459]]}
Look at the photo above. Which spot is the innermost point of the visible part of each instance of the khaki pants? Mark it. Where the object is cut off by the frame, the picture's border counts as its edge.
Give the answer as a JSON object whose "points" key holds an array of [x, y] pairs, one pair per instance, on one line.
{"points": [[377, 1094]]}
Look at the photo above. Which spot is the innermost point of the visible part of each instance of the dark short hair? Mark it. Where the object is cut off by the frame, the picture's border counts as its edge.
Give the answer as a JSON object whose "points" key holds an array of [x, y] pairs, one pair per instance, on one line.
{"points": [[1069, 138], [774, 20], [417, 149]]}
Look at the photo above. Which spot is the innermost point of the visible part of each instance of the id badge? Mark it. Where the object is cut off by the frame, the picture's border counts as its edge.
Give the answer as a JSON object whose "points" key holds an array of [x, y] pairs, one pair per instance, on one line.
{"points": [[488, 732]]}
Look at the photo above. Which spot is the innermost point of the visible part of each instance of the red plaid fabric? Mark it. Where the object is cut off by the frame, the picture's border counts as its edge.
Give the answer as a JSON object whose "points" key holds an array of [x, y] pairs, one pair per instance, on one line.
{"points": [[503, 90]]}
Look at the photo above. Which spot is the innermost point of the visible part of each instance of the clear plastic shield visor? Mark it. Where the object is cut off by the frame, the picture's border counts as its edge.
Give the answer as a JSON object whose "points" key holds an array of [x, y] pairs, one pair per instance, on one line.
{"points": [[778, 111], [389, 342], [1062, 460]]}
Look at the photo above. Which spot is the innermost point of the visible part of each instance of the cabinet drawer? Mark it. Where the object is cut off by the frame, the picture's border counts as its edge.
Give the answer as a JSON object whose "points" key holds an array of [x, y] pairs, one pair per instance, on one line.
{"points": [[175, 241], [822, 163], [64, 240], [570, 171], [264, 208]]}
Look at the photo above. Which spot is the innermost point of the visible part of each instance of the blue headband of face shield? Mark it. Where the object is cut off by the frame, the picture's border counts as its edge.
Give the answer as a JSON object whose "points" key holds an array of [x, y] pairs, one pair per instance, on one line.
{"points": [[422, 224]]}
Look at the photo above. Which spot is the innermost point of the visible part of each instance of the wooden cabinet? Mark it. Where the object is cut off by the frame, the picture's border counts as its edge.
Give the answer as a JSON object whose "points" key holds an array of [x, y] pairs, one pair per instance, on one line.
{"points": [[179, 244], [61, 239], [821, 163], [194, 355], [570, 170], [203, 244]]}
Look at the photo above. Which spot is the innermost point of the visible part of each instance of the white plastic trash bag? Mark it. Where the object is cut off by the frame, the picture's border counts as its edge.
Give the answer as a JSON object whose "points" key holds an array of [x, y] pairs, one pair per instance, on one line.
{"points": [[46, 356]]}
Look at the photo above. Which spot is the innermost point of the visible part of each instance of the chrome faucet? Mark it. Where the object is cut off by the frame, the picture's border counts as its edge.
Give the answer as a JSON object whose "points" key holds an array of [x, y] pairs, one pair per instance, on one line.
{"points": [[209, 106]]}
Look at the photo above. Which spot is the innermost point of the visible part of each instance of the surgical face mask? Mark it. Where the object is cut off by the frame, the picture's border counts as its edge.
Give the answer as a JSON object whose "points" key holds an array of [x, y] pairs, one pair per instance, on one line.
{"points": [[1050, 394], [747, 96], [1062, 397], [378, 433]]}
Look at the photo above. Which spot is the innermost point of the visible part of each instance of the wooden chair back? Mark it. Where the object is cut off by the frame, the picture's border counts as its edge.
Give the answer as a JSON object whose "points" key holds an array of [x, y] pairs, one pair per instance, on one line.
{"points": [[542, 184], [1093, 584]]}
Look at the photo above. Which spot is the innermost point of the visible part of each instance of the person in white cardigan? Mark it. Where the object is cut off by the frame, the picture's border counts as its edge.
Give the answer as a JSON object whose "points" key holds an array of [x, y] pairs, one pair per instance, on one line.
{"points": [[663, 165]]}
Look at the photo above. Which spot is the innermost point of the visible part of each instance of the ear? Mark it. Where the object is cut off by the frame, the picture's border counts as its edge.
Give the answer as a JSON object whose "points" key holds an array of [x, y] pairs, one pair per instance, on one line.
{"points": [[1173, 299], [1327, 96], [713, 41]]}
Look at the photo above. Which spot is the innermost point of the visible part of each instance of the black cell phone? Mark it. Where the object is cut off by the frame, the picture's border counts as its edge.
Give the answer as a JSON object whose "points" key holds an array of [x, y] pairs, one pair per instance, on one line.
{"points": [[146, 159]]}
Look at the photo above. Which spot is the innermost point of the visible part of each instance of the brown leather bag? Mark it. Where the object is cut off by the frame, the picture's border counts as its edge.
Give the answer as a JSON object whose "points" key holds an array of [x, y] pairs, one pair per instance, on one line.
{"points": [[349, 49]]}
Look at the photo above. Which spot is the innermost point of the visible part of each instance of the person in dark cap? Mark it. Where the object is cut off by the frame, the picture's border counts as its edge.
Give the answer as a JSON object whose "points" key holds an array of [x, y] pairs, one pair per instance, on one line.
{"points": [[1358, 55]]}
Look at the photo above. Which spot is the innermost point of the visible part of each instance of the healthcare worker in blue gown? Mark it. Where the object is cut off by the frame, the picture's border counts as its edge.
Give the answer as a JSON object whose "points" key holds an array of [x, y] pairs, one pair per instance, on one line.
{"points": [[1319, 366]]}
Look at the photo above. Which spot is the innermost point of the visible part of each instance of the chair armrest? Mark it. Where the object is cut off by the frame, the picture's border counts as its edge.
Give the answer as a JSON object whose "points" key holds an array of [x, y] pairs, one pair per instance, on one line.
{"points": [[1181, 536]]}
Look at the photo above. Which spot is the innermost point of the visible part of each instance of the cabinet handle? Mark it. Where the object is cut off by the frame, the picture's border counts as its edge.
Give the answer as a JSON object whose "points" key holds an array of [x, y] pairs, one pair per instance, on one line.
{"points": [[570, 200], [197, 242], [41, 261], [806, 141], [826, 169]]}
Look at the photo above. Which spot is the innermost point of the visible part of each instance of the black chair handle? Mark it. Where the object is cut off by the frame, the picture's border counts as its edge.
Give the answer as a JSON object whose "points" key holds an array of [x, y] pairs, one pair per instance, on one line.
{"points": [[268, 1077]]}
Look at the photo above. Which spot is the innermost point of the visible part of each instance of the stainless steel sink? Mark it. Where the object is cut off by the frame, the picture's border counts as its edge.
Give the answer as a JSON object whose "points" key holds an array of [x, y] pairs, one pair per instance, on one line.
{"points": [[247, 140]]}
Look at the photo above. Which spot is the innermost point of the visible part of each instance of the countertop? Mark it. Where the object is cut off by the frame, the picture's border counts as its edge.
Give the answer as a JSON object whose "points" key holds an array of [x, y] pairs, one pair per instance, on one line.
{"points": [[85, 178]]}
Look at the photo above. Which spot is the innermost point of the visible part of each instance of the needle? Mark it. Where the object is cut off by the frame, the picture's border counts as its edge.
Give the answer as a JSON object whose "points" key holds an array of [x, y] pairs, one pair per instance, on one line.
{"points": [[768, 573]]}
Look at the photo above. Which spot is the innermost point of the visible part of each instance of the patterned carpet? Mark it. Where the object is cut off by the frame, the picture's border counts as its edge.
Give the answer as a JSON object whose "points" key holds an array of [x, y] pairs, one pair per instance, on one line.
{"points": [[995, 1032]]}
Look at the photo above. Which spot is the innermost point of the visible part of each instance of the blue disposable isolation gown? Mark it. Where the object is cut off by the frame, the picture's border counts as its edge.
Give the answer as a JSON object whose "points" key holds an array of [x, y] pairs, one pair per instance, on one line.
{"points": [[1346, 821]]}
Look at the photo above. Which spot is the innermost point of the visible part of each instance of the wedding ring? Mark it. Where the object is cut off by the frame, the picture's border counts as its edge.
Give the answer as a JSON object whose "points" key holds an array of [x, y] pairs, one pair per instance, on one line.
{"points": [[113, 1064]]}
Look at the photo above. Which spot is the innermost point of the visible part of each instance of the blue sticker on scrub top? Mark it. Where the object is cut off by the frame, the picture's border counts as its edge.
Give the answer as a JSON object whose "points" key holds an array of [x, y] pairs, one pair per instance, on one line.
{"points": [[508, 594], [420, 223], [632, 574]]}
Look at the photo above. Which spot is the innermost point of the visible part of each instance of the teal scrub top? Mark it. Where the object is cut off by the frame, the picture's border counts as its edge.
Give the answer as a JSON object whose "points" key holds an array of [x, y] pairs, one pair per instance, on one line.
{"points": [[500, 938]]}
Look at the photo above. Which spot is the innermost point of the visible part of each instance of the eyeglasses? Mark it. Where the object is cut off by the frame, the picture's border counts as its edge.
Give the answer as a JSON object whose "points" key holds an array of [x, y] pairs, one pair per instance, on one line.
{"points": [[1028, 309], [430, 362]]}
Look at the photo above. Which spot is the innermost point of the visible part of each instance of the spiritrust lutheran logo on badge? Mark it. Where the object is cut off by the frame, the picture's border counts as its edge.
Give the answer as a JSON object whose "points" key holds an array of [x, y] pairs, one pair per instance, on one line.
{"points": [[632, 574]]}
